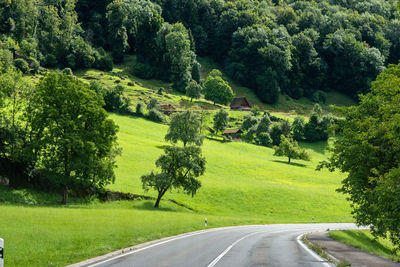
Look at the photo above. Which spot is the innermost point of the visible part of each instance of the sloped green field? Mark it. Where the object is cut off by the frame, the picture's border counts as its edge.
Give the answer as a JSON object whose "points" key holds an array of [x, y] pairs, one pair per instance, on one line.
{"points": [[243, 184], [241, 179]]}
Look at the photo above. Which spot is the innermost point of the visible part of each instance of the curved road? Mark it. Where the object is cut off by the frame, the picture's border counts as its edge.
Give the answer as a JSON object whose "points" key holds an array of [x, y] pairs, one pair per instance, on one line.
{"points": [[261, 245]]}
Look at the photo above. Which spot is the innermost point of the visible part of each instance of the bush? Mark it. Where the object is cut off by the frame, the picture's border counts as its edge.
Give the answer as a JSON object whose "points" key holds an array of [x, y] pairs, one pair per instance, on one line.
{"points": [[22, 65], [155, 115], [319, 96], [140, 109], [35, 66], [143, 71], [50, 61], [67, 71], [264, 139], [153, 104], [104, 63]]}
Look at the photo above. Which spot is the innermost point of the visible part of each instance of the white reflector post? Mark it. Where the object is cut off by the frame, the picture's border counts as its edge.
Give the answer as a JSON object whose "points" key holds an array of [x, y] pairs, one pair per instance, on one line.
{"points": [[1, 252]]}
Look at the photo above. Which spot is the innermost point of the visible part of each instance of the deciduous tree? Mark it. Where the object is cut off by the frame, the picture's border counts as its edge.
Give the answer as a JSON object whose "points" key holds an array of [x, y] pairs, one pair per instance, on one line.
{"points": [[289, 148]]}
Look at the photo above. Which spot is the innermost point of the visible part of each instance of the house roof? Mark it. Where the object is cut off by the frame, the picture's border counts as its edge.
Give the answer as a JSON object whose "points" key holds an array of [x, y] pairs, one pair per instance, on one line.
{"points": [[240, 102], [232, 131]]}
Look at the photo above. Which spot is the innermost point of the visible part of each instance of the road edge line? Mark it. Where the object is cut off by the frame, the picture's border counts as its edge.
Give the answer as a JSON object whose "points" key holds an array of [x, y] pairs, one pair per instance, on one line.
{"points": [[311, 252]]}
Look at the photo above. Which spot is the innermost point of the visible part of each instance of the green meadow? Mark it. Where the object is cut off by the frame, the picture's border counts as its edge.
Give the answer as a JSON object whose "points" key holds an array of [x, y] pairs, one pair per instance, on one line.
{"points": [[243, 184]]}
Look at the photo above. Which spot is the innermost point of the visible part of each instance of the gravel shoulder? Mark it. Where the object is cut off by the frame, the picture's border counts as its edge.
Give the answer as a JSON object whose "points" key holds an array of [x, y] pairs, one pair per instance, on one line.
{"points": [[347, 254]]}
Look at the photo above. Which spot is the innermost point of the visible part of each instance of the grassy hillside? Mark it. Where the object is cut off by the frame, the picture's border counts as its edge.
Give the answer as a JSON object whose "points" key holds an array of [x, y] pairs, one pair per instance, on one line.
{"points": [[241, 179], [140, 90], [243, 184]]}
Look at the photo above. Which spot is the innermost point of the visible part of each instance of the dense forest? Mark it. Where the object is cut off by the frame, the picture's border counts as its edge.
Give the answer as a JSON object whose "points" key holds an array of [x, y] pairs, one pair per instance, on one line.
{"points": [[298, 48]]}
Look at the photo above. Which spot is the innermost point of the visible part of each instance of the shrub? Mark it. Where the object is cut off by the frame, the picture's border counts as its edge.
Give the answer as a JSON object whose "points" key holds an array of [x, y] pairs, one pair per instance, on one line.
{"points": [[155, 115], [50, 61], [153, 104], [67, 71], [319, 96], [264, 139], [143, 71], [35, 66], [22, 65], [140, 109], [104, 63]]}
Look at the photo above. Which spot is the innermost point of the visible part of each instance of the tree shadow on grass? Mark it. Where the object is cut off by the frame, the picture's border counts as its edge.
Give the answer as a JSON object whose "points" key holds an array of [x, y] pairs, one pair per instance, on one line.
{"points": [[149, 205], [161, 147], [320, 147], [291, 164]]}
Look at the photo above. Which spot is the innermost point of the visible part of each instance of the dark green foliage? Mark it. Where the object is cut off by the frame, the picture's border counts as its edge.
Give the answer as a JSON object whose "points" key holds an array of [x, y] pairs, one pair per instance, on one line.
{"points": [[104, 63], [249, 122], [367, 150], [185, 127], [319, 97], [35, 66], [68, 71], [155, 115], [143, 71], [140, 109], [292, 47], [264, 139], [22, 65], [221, 119], [298, 128], [153, 104], [74, 142], [193, 90], [196, 71], [179, 168], [115, 100], [117, 17], [216, 89], [276, 133]]}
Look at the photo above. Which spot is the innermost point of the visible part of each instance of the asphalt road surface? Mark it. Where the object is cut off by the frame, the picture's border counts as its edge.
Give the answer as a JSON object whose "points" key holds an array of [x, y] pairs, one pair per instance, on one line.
{"points": [[262, 245]]}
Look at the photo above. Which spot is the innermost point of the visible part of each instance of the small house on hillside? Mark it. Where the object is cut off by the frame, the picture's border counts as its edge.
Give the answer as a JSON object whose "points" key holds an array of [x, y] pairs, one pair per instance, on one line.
{"points": [[240, 104], [233, 133]]}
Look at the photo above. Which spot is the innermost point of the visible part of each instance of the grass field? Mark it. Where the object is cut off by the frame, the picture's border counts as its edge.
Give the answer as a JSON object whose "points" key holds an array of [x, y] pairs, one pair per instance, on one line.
{"points": [[241, 179], [243, 184], [364, 240]]}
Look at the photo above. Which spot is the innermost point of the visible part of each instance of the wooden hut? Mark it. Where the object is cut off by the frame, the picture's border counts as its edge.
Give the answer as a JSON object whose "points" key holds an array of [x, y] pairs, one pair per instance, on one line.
{"points": [[233, 133], [240, 104]]}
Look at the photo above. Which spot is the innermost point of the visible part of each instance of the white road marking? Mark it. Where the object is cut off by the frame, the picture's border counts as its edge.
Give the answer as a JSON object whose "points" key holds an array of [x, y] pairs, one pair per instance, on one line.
{"points": [[220, 256], [315, 255], [151, 246]]}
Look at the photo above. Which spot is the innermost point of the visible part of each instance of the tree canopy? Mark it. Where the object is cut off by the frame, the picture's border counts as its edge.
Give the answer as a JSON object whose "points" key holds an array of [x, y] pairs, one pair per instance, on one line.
{"points": [[73, 140], [290, 149], [368, 149]]}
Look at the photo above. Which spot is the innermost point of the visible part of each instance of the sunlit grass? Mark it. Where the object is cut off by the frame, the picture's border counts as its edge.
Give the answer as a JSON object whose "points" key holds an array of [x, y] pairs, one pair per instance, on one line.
{"points": [[364, 240]]}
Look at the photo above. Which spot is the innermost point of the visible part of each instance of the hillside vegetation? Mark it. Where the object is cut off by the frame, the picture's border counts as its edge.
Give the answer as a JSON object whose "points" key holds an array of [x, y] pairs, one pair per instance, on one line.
{"points": [[291, 47], [243, 184]]}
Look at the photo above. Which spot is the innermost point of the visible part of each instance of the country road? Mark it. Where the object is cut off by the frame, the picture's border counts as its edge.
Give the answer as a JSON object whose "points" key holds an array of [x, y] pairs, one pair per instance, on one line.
{"points": [[262, 245]]}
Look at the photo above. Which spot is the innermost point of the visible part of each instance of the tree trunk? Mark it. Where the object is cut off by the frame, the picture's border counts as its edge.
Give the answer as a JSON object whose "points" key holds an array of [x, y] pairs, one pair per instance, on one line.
{"points": [[65, 195], [160, 195], [289, 159], [191, 99]]}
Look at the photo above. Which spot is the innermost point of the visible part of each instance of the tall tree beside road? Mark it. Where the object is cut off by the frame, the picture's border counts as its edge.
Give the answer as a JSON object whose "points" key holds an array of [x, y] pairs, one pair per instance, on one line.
{"points": [[368, 149]]}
